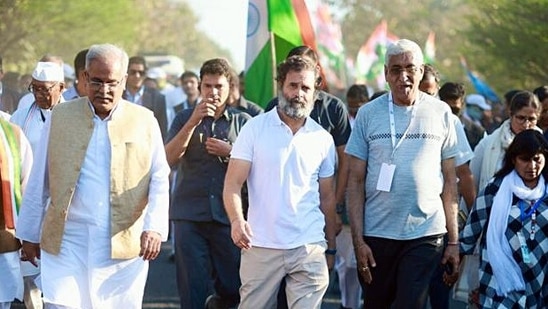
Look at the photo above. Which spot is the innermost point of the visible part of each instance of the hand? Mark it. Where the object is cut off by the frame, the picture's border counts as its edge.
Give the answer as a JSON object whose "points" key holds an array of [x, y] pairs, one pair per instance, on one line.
{"points": [[30, 252], [151, 243], [241, 233], [450, 278], [218, 147], [330, 261], [365, 260], [451, 260], [206, 108]]}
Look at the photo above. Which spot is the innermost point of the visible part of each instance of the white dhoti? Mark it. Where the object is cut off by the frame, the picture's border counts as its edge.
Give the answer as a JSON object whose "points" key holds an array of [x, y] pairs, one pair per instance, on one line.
{"points": [[11, 280], [84, 276]]}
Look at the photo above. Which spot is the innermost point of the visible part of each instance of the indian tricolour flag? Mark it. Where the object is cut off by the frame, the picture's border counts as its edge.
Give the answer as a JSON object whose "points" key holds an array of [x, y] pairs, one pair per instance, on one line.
{"points": [[430, 49], [274, 27], [370, 58]]}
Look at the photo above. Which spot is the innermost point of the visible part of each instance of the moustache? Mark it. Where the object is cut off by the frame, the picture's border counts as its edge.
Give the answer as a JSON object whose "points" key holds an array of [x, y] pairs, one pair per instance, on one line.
{"points": [[297, 100]]}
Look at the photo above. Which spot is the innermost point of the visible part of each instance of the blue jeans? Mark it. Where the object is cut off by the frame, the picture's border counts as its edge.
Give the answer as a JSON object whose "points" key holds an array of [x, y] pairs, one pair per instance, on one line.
{"points": [[206, 262]]}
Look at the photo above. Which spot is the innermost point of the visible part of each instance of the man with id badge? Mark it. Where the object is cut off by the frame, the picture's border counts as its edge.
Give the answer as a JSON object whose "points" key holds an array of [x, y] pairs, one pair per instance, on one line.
{"points": [[402, 186]]}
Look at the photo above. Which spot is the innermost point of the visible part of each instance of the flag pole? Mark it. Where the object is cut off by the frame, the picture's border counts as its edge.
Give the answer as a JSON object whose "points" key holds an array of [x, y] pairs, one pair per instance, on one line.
{"points": [[273, 53]]}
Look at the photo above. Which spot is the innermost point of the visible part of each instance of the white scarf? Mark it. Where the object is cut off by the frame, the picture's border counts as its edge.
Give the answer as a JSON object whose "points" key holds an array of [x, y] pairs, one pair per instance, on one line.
{"points": [[505, 269]]}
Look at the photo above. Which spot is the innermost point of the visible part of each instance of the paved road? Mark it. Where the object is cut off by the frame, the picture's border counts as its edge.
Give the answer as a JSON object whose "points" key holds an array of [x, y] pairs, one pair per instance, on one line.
{"points": [[161, 292]]}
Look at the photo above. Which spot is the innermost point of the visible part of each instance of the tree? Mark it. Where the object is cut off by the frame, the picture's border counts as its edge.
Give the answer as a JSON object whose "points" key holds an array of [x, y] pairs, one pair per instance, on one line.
{"points": [[408, 19], [31, 28], [176, 23], [507, 41], [503, 40]]}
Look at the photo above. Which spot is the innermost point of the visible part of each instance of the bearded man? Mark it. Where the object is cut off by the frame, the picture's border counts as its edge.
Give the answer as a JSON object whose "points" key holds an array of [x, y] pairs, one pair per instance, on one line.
{"points": [[288, 161]]}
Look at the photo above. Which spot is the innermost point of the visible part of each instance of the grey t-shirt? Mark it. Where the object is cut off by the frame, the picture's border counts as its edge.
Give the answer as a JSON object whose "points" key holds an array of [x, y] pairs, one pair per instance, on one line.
{"points": [[413, 208]]}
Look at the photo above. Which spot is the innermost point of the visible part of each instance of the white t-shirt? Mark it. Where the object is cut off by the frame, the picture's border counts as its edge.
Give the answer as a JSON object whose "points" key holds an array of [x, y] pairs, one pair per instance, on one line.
{"points": [[283, 183]]}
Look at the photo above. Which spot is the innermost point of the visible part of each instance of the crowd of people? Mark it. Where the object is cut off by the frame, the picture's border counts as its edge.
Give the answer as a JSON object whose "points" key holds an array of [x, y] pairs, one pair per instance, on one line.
{"points": [[102, 164]]}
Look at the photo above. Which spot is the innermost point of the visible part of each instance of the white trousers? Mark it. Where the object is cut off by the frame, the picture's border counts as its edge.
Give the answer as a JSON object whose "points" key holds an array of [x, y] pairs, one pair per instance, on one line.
{"points": [[345, 265]]}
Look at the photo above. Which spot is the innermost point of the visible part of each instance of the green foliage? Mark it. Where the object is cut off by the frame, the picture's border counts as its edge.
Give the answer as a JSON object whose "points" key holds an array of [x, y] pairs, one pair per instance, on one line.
{"points": [[507, 40], [502, 40], [30, 29]]}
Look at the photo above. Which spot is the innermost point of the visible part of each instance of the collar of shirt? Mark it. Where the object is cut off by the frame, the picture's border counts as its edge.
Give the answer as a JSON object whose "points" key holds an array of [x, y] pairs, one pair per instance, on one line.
{"points": [[136, 98], [112, 113]]}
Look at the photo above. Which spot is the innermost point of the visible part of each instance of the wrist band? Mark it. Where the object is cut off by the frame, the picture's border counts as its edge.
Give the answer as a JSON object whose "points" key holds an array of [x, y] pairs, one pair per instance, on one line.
{"points": [[453, 243], [331, 251]]}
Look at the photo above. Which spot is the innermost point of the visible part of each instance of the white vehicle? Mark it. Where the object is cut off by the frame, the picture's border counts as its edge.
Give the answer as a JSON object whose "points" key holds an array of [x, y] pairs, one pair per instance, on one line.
{"points": [[172, 65]]}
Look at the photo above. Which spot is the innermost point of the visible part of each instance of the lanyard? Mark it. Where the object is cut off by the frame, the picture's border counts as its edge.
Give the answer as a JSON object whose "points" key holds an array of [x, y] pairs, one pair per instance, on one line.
{"points": [[525, 214], [393, 124]]}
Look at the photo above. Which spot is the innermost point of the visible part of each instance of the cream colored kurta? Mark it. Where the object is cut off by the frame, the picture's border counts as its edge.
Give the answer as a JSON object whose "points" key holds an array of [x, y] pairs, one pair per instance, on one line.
{"points": [[83, 274]]}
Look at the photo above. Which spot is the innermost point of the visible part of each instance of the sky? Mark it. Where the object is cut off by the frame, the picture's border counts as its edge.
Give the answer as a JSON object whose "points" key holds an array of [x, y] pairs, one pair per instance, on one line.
{"points": [[225, 22]]}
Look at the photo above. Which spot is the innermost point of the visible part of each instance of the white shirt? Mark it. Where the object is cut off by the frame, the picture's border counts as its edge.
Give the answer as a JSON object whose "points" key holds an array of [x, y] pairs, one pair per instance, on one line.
{"points": [[31, 120], [173, 97], [284, 198]]}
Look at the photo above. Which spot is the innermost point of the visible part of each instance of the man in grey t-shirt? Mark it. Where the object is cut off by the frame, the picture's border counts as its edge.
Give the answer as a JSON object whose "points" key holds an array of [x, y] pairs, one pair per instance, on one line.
{"points": [[402, 151]]}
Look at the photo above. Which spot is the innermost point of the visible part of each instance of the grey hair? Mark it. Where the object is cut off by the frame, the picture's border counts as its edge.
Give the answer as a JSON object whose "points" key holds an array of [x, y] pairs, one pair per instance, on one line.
{"points": [[102, 51], [404, 46]]}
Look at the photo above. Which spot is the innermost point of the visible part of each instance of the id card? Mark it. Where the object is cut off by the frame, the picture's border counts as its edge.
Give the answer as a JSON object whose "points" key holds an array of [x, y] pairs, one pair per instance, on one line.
{"points": [[385, 177], [524, 249]]}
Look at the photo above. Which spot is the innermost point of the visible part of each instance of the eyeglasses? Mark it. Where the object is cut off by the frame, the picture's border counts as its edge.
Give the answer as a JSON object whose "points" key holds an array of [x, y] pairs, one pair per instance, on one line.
{"points": [[96, 86], [523, 119], [135, 72], [35, 89], [410, 70]]}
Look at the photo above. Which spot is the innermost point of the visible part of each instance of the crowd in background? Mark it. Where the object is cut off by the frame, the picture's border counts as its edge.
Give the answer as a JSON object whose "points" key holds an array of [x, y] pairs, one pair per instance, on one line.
{"points": [[348, 180]]}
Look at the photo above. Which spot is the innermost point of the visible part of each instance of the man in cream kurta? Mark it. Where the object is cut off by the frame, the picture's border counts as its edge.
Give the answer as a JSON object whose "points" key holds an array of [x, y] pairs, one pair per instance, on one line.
{"points": [[107, 176]]}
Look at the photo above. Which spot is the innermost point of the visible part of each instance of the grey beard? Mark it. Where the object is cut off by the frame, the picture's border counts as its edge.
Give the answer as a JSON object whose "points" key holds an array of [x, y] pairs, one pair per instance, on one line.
{"points": [[291, 110]]}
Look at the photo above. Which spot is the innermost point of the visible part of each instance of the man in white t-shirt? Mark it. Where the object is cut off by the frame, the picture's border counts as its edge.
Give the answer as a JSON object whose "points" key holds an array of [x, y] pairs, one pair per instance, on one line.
{"points": [[288, 161]]}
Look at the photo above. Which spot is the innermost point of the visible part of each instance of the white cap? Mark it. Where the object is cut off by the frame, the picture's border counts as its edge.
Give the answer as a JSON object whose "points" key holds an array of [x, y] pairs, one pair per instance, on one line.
{"points": [[156, 73], [477, 100], [68, 71], [48, 72]]}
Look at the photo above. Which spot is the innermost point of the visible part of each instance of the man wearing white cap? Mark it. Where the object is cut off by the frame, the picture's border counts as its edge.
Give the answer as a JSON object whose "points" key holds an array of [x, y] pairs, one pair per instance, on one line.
{"points": [[28, 98], [160, 77], [479, 111], [48, 83]]}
